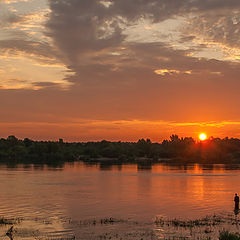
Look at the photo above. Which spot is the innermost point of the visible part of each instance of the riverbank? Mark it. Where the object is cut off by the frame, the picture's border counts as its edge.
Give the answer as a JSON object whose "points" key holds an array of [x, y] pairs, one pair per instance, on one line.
{"points": [[215, 227]]}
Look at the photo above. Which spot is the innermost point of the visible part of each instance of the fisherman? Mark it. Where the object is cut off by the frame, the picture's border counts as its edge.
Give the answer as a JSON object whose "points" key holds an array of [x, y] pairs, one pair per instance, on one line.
{"points": [[236, 200]]}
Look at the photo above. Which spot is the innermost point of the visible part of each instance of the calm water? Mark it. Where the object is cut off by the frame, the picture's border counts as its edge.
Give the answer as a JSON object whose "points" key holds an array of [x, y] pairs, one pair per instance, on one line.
{"points": [[79, 192]]}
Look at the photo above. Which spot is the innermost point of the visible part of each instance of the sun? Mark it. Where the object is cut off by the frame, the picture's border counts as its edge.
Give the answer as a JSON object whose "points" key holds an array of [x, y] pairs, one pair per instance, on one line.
{"points": [[202, 136]]}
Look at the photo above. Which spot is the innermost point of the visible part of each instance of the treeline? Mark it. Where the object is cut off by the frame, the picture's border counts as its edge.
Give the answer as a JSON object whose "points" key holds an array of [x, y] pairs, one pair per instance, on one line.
{"points": [[177, 150]]}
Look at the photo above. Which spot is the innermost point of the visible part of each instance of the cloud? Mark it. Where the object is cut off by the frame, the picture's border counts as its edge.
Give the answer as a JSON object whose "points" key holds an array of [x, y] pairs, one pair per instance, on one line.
{"points": [[10, 18], [116, 53], [132, 130], [40, 51], [98, 44], [15, 83], [220, 27], [205, 124], [41, 85], [14, 1], [119, 76], [169, 71], [21, 33]]}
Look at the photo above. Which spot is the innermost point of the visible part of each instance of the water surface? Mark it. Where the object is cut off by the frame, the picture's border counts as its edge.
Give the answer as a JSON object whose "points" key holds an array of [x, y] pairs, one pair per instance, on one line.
{"points": [[79, 192]]}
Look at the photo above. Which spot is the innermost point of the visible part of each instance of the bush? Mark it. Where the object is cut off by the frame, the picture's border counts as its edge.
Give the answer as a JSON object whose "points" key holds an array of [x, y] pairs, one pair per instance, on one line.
{"points": [[225, 235]]}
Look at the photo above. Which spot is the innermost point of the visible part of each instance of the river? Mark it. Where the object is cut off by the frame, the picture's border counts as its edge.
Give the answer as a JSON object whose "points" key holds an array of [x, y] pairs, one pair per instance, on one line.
{"points": [[46, 198]]}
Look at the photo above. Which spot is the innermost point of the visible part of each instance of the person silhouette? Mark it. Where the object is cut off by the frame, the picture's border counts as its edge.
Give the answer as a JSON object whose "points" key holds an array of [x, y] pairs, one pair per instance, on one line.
{"points": [[236, 200]]}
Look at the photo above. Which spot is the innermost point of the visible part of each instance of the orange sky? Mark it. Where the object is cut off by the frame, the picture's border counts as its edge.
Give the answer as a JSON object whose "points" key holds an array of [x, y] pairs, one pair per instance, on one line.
{"points": [[119, 70]]}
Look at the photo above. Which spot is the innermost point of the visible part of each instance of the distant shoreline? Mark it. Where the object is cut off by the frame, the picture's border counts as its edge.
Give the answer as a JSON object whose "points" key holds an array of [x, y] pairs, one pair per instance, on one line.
{"points": [[176, 150]]}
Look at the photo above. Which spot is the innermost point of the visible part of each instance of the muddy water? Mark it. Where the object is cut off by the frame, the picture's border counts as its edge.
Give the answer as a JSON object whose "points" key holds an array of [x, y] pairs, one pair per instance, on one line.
{"points": [[56, 202]]}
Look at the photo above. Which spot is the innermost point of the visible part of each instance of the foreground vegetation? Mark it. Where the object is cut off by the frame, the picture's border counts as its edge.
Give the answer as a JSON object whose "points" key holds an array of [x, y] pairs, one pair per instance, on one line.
{"points": [[225, 235], [177, 150], [224, 227]]}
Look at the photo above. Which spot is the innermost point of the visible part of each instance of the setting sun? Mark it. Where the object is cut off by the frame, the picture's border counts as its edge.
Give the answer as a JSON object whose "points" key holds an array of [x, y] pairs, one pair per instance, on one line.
{"points": [[202, 136]]}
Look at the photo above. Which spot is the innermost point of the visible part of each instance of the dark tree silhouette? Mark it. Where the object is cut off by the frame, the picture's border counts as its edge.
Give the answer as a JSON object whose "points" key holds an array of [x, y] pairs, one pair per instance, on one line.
{"points": [[176, 150]]}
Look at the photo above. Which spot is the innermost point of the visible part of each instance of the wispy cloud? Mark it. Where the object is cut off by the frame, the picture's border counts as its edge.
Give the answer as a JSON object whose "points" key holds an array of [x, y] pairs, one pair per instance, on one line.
{"points": [[206, 124], [170, 71], [85, 130], [14, 1]]}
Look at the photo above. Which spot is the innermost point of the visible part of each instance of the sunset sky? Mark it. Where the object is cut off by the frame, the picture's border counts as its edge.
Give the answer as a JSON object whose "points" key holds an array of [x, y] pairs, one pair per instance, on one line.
{"points": [[86, 70]]}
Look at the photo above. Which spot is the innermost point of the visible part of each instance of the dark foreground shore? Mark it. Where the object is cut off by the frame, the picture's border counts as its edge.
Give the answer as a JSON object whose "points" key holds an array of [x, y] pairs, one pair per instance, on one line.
{"points": [[215, 227]]}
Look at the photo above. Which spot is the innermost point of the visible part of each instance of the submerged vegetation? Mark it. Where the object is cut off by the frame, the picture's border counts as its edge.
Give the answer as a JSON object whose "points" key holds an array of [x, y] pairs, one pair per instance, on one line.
{"points": [[224, 227], [206, 228], [176, 150]]}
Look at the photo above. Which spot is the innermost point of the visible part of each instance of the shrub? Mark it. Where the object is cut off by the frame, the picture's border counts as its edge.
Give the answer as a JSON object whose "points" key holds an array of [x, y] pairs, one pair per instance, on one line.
{"points": [[225, 235]]}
